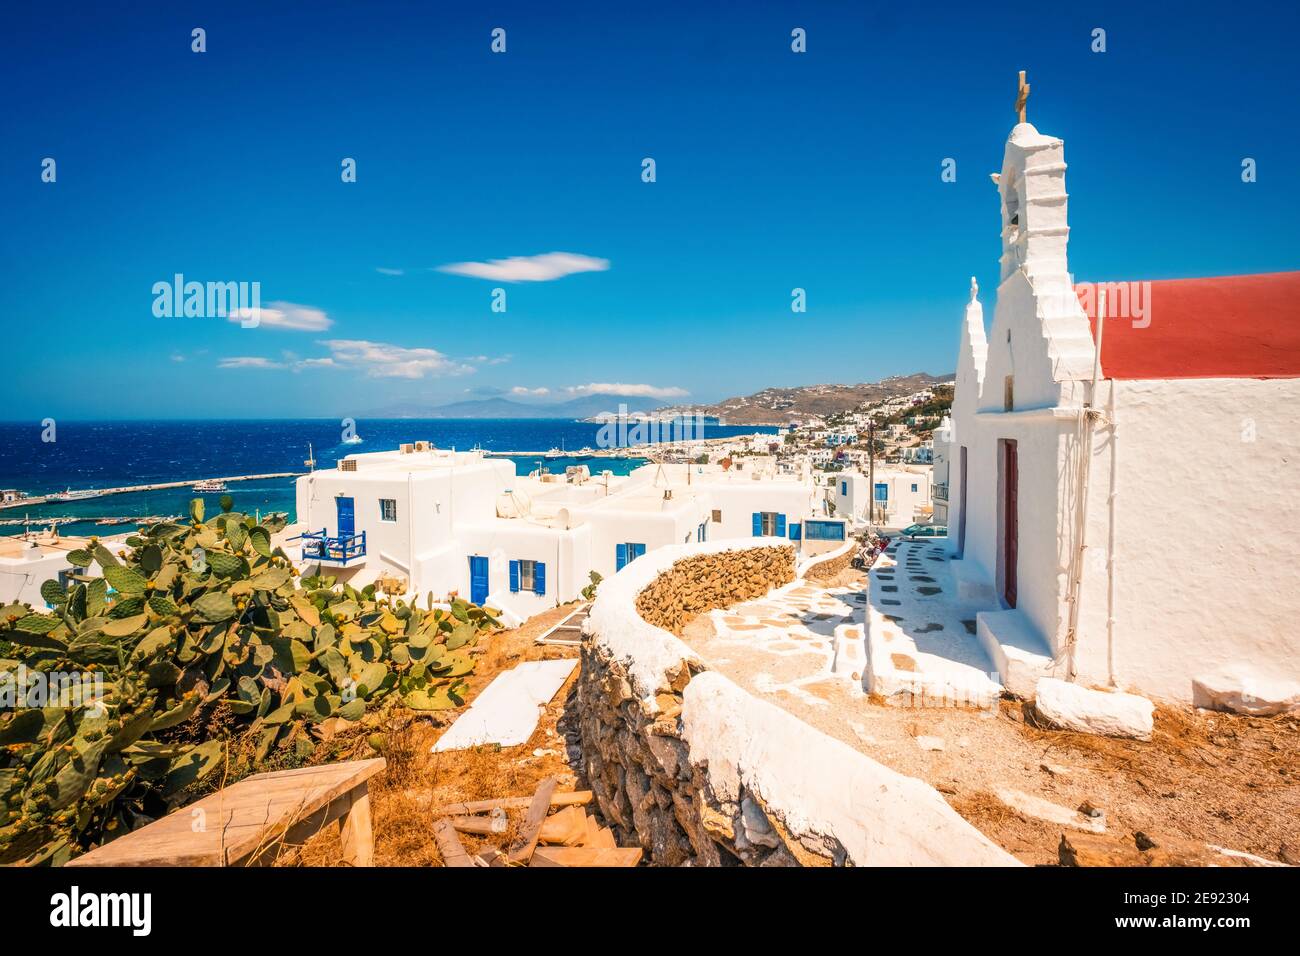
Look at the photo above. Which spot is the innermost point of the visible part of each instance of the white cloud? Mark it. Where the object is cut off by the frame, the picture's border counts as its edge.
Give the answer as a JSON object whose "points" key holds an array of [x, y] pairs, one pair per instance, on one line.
{"points": [[248, 361], [382, 360], [542, 268], [286, 315], [318, 363], [177, 357], [537, 392], [620, 388], [390, 272]]}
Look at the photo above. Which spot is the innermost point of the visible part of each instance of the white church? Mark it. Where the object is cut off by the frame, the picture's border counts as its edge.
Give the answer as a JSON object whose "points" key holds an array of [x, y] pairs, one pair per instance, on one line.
{"points": [[1122, 480]]}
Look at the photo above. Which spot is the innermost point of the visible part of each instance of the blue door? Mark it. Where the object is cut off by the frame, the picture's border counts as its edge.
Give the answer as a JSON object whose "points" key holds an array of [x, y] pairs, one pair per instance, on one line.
{"points": [[347, 511], [478, 579]]}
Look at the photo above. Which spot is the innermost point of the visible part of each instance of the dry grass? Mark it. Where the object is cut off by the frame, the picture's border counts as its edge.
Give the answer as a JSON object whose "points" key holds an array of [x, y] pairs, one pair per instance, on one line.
{"points": [[1256, 751], [416, 782], [1205, 777]]}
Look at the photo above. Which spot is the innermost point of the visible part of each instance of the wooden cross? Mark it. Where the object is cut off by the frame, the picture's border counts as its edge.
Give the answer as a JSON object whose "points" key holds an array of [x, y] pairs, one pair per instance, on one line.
{"points": [[1022, 96]]}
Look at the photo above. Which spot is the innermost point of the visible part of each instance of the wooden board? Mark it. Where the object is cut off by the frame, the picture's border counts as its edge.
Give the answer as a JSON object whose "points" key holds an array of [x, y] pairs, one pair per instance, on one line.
{"points": [[449, 845], [568, 827], [532, 827], [585, 856], [243, 820], [598, 836], [511, 803]]}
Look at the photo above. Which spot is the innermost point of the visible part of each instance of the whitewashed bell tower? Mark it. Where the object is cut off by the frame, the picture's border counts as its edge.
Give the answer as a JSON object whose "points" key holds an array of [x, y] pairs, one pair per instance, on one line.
{"points": [[1036, 295]]}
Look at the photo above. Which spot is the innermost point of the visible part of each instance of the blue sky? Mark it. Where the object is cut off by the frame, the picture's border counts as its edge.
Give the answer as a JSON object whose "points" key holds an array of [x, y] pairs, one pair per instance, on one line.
{"points": [[775, 170]]}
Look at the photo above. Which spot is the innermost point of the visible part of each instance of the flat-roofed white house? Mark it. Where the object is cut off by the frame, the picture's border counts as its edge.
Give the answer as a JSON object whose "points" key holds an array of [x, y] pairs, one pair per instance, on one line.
{"points": [[902, 496], [1128, 518], [29, 560], [444, 521]]}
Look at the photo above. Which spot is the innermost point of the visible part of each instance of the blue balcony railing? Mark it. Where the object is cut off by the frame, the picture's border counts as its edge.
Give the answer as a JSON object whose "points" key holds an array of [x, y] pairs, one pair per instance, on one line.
{"points": [[319, 546]]}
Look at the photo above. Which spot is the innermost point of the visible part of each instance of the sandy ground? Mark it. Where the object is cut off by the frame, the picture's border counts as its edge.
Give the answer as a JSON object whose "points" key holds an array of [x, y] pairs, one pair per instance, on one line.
{"points": [[1217, 778]]}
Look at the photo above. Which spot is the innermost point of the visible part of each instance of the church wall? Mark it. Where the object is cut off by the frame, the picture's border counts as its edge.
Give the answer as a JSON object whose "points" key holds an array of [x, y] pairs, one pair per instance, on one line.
{"points": [[1206, 523]]}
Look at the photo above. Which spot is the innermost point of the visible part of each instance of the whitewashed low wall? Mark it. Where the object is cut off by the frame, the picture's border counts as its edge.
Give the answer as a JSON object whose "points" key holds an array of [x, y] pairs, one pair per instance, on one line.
{"points": [[699, 771]]}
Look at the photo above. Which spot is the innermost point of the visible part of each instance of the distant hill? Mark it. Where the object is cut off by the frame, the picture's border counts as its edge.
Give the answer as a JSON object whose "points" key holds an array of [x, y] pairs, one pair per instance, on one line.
{"points": [[780, 406], [576, 408]]}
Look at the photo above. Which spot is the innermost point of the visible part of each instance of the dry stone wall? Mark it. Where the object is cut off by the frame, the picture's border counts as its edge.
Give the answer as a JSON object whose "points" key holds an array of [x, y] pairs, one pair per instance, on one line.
{"points": [[828, 569], [705, 582]]}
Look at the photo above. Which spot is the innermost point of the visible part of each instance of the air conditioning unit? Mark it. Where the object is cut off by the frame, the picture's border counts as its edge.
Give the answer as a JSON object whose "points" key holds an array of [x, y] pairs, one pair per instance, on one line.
{"points": [[348, 464], [423, 446], [406, 448]]}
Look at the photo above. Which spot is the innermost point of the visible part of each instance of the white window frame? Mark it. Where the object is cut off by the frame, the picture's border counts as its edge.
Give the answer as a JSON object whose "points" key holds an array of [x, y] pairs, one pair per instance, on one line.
{"points": [[383, 510], [768, 523], [528, 575]]}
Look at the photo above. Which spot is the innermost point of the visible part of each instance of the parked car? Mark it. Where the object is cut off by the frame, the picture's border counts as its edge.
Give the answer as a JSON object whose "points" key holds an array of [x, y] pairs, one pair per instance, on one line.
{"points": [[916, 532]]}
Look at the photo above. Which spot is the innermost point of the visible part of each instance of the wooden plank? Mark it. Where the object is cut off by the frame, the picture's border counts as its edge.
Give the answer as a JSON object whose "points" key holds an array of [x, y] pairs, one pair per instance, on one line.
{"points": [[477, 825], [568, 798], [532, 827], [449, 845], [599, 837], [585, 856], [236, 822], [355, 830], [568, 827]]}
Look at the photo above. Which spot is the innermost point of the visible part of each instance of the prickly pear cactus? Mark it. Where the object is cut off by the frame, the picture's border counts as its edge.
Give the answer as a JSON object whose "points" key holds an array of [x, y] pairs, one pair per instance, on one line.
{"points": [[189, 617]]}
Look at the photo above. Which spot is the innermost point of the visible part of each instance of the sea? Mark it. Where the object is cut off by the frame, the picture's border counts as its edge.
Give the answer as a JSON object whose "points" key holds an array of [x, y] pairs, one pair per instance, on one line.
{"points": [[105, 454]]}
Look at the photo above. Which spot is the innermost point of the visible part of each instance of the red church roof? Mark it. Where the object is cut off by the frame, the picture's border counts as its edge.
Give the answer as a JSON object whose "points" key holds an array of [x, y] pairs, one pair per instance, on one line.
{"points": [[1225, 327]]}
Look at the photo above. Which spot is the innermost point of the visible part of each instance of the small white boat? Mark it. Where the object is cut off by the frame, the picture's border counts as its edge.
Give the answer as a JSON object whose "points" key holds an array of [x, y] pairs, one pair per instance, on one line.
{"points": [[554, 453], [209, 486]]}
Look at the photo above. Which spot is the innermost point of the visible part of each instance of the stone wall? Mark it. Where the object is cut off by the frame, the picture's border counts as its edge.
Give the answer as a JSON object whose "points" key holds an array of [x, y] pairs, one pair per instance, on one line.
{"points": [[704, 582], [825, 570], [697, 771]]}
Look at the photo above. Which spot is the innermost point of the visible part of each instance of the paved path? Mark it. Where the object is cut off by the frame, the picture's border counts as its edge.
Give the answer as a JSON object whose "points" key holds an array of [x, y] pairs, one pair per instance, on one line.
{"points": [[920, 638]]}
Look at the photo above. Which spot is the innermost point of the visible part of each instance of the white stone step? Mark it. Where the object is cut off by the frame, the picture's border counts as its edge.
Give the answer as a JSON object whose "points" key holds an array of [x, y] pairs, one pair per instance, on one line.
{"points": [[1019, 653]]}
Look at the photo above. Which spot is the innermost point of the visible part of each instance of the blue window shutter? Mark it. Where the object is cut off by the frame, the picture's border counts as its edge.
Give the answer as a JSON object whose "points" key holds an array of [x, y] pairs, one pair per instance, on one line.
{"points": [[758, 524], [514, 575], [638, 550], [844, 487], [780, 526], [620, 557], [796, 532], [539, 578]]}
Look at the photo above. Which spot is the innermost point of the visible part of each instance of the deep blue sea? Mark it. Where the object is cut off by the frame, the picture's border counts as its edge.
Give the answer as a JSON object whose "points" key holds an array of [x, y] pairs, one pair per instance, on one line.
{"points": [[109, 454]]}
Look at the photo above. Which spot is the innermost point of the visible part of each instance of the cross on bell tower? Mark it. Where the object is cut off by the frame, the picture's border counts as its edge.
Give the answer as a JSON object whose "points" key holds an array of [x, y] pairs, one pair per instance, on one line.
{"points": [[1022, 96]]}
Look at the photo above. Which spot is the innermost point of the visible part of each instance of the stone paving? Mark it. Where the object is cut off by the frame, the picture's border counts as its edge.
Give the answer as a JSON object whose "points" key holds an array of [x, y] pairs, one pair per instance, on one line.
{"points": [[797, 641], [920, 638], [904, 637]]}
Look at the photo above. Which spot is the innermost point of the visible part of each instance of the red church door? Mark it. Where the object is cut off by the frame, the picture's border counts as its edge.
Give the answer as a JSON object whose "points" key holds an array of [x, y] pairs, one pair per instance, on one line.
{"points": [[1010, 520], [961, 513]]}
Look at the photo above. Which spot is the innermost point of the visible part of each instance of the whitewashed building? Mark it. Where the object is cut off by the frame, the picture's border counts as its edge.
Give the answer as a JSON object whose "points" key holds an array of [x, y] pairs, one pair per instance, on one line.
{"points": [[902, 496], [29, 560], [1128, 519], [444, 521]]}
